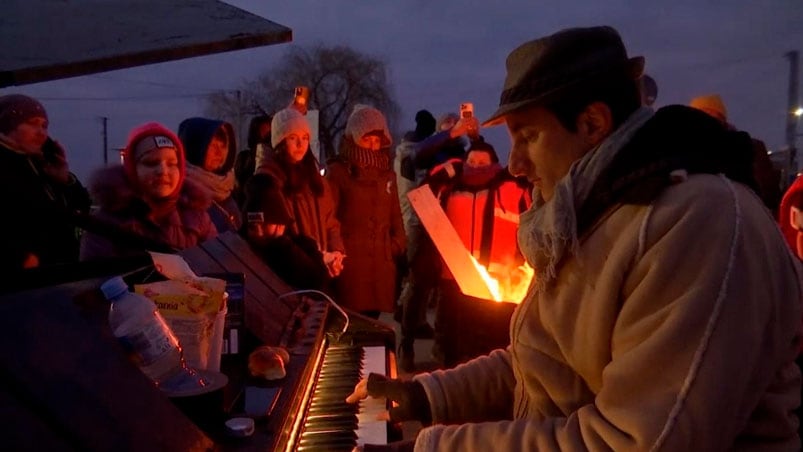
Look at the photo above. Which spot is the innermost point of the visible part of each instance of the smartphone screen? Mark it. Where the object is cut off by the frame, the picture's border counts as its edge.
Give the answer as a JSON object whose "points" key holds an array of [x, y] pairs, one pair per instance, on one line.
{"points": [[466, 110]]}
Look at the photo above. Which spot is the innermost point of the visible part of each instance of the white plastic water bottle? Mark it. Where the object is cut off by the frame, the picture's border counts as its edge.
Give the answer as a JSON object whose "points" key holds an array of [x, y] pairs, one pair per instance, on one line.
{"points": [[137, 324]]}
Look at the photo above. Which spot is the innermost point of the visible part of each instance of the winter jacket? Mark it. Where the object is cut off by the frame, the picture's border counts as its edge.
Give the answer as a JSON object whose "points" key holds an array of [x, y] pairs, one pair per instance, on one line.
{"points": [[487, 217], [313, 216], [296, 260], [37, 207], [196, 134], [120, 205], [792, 198], [372, 231], [673, 326]]}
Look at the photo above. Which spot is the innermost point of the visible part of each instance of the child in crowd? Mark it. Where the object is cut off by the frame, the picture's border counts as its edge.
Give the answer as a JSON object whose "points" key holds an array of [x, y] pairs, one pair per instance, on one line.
{"points": [[211, 149], [148, 197]]}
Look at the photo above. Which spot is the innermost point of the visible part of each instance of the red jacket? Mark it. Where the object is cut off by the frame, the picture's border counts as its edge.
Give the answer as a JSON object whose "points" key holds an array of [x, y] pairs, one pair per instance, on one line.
{"points": [[487, 218]]}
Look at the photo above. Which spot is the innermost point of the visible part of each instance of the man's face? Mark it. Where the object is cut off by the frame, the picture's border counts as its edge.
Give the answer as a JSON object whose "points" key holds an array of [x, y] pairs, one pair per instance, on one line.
{"points": [[542, 149], [31, 134]]}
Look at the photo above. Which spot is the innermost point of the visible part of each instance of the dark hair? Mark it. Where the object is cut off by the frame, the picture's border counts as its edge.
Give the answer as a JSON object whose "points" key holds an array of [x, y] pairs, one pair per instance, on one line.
{"points": [[220, 134], [253, 130], [299, 174], [620, 93], [424, 124], [480, 145]]}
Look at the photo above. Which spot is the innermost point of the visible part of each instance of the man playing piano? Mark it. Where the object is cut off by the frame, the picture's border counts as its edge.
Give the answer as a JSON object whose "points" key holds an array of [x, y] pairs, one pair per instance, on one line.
{"points": [[666, 311]]}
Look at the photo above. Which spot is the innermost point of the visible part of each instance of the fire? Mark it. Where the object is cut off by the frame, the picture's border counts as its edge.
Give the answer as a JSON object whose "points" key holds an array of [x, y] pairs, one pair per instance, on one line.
{"points": [[506, 283]]}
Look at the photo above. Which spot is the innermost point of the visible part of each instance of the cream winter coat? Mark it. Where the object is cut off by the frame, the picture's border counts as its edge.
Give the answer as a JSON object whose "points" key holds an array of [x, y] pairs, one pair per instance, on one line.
{"points": [[673, 327]]}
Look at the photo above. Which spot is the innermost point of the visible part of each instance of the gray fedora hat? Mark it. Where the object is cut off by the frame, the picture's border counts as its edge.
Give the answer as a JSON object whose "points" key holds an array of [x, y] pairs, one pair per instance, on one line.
{"points": [[541, 70]]}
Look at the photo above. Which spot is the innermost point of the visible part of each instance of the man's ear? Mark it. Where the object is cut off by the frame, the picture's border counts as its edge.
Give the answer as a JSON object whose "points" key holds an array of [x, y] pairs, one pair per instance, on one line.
{"points": [[595, 123]]}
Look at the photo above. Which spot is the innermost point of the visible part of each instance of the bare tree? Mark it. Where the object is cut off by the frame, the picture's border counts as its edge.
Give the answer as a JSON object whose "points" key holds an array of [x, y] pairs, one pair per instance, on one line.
{"points": [[338, 77]]}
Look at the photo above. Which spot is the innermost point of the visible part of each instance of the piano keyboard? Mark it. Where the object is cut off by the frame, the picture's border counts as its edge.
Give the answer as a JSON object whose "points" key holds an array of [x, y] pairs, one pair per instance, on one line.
{"points": [[332, 424]]}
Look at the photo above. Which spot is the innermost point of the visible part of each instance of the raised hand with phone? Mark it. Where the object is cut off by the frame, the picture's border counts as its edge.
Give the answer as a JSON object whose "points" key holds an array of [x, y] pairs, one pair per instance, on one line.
{"points": [[467, 124], [300, 99]]}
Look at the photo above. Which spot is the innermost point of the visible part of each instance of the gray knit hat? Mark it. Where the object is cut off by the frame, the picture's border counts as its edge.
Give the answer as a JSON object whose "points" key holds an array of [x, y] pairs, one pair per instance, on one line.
{"points": [[364, 120], [286, 122]]}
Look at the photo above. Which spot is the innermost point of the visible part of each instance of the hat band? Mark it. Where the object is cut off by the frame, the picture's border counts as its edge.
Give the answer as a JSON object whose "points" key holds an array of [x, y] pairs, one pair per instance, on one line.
{"points": [[153, 142]]}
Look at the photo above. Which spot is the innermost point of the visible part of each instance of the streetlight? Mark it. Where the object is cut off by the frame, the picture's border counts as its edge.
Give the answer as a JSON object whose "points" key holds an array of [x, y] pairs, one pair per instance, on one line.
{"points": [[798, 112]]}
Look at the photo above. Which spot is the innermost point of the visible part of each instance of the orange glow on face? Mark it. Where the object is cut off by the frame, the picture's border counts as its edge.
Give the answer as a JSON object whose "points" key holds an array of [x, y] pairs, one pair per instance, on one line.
{"points": [[506, 283]]}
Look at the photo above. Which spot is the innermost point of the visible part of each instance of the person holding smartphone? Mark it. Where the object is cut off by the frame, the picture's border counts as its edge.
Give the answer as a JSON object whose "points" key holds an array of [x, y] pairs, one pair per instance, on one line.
{"points": [[38, 192]]}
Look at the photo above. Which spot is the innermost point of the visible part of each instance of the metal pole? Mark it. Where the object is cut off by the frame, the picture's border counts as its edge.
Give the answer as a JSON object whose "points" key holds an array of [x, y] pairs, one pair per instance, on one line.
{"points": [[105, 141], [791, 118], [239, 127]]}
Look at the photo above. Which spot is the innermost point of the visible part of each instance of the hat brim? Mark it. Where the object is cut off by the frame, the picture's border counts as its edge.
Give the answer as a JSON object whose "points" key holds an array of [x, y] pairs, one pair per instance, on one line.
{"points": [[635, 70]]}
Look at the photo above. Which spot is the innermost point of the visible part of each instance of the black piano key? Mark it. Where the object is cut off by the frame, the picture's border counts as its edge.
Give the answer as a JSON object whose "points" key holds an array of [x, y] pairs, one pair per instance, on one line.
{"points": [[330, 425], [331, 416], [326, 436]]}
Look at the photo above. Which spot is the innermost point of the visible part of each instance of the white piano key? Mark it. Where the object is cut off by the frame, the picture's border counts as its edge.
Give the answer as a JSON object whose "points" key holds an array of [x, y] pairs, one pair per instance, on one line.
{"points": [[370, 430]]}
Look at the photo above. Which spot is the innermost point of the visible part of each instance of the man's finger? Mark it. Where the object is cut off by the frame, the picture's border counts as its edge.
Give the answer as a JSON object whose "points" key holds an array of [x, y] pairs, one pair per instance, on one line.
{"points": [[360, 392]]}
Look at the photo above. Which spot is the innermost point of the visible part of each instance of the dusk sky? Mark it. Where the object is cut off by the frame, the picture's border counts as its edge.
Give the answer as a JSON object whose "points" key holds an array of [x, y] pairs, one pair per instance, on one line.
{"points": [[442, 53]]}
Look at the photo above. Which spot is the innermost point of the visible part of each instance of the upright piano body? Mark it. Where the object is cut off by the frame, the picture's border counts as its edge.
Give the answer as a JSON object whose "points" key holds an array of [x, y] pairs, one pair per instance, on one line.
{"points": [[66, 384]]}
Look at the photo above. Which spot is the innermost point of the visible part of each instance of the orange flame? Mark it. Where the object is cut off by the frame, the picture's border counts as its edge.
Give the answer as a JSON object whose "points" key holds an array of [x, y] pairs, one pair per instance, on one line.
{"points": [[506, 283]]}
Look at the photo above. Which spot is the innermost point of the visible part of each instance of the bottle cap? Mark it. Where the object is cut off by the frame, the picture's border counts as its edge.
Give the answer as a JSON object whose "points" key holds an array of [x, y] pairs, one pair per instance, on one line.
{"points": [[240, 426], [114, 287]]}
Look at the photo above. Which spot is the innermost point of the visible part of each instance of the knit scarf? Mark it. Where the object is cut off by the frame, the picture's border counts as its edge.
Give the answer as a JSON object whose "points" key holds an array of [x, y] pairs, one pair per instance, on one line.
{"points": [[366, 158], [548, 230], [220, 186]]}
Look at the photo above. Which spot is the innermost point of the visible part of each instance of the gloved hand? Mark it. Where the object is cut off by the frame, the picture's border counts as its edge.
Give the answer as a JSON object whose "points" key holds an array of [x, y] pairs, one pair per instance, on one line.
{"points": [[441, 176], [410, 396], [398, 446]]}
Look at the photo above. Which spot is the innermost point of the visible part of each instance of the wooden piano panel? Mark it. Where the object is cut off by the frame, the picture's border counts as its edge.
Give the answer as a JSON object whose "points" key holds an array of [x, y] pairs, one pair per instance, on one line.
{"points": [[266, 316], [66, 383]]}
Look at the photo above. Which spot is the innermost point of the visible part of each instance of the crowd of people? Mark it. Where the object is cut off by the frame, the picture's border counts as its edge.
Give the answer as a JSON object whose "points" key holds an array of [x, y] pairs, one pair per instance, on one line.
{"points": [[665, 310]]}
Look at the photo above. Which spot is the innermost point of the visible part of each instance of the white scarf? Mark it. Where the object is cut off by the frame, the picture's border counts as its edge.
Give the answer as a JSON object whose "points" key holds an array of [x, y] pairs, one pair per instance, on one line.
{"points": [[548, 229], [220, 186]]}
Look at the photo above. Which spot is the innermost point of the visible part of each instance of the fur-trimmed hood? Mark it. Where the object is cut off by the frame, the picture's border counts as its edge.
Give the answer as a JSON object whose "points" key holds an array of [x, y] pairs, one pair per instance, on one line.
{"points": [[113, 192]]}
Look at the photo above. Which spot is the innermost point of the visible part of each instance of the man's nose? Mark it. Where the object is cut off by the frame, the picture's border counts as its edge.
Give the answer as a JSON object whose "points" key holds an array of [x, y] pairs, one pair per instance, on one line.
{"points": [[518, 164]]}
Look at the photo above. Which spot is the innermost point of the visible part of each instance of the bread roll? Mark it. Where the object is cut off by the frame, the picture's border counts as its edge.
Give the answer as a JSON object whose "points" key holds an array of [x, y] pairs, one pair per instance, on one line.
{"points": [[268, 362]]}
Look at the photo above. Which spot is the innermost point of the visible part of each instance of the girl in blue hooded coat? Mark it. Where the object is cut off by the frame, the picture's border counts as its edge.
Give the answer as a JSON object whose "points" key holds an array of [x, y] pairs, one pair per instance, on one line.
{"points": [[211, 149]]}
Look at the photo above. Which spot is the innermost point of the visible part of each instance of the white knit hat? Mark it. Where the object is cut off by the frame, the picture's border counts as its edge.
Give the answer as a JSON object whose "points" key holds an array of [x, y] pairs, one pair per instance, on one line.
{"points": [[284, 123], [364, 120]]}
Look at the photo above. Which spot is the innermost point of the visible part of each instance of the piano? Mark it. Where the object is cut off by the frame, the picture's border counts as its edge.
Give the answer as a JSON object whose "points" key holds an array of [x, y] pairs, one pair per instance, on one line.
{"points": [[330, 351]]}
